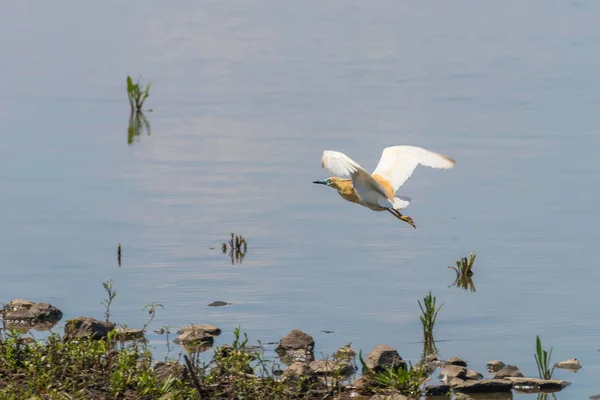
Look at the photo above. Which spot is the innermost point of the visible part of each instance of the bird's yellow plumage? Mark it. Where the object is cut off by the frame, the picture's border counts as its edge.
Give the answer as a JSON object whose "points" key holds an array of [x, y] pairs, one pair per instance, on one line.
{"points": [[377, 191]]}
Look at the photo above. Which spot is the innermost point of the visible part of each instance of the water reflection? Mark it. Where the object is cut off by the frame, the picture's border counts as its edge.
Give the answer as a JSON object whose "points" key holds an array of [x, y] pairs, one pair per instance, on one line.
{"points": [[464, 273], [138, 123], [464, 281], [237, 248]]}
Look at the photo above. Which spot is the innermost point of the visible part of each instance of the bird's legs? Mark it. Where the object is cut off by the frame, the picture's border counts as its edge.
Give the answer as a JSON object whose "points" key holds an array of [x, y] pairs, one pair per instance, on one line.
{"points": [[404, 218]]}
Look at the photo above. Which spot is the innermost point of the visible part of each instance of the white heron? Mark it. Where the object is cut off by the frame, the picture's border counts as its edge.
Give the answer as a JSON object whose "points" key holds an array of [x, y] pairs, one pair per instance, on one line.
{"points": [[377, 191]]}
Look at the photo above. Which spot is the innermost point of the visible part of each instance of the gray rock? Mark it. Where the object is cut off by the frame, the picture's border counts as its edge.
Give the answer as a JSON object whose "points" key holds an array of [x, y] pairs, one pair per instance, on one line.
{"points": [[456, 381], [484, 386], [125, 334], [296, 340], [456, 361], [344, 353], [210, 329], [437, 390], [330, 367], [571, 363], [30, 313], [508, 371], [194, 337], [361, 385], [86, 327], [384, 357], [542, 384], [473, 375], [495, 365], [389, 397], [164, 370], [454, 371], [291, 356], [301, 373], [299, 369], [218, 304]]}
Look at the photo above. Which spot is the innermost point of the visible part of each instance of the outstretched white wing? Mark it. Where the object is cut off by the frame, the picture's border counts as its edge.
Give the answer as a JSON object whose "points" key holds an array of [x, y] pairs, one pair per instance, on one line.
{"points": [[339, 164], [397, 163]]}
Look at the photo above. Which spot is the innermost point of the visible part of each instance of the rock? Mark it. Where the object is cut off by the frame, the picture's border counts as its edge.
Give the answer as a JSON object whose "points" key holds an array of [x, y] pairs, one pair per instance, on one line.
{"points": [[26, 312], [495, 365], [482, 396], [330, 367], [86, 327], [456, 361], [484, 386], [437, 390], [361, 385], [292, 356], [344, 353], [473, 375], [389, 397], [194, 337], [541, 384], [125, 334], [164, 370], [300, 372], [298, 368], [508, 370], [384, 357], [296, 340], [454, 371], [210, 329], [197, 348], [456, 381], [571, 363], [218, 304]]}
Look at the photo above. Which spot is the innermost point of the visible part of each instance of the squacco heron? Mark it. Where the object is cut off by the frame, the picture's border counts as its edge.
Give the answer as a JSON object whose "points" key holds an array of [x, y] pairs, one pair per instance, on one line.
{"points": [[377, 191]]}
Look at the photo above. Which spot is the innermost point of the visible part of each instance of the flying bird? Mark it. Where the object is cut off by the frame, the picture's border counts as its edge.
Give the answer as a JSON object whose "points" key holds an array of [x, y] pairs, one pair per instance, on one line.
{"points": [[377, 191]]}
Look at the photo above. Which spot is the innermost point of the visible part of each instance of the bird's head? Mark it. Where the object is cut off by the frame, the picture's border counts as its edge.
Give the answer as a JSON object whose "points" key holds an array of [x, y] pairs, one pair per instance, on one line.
{"points": [[332, 181]]}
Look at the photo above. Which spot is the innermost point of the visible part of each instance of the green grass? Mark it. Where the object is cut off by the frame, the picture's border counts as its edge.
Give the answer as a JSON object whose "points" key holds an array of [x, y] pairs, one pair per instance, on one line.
{"points": [[407, 381], [464, 266], [543, 360], [464, 273], [429, 314], [137, 94]]}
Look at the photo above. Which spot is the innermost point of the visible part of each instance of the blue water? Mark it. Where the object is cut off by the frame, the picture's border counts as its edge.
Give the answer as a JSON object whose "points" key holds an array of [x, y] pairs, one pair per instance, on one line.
{"points": [[246, 96]]}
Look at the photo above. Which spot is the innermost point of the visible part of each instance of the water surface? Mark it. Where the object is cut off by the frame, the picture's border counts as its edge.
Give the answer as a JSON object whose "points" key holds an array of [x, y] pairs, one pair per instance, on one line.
{"points": [[246, 96]]}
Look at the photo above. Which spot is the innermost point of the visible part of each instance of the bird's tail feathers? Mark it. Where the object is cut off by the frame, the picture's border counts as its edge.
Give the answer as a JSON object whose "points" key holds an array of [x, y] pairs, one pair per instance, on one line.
{"points": [[401, 202]]}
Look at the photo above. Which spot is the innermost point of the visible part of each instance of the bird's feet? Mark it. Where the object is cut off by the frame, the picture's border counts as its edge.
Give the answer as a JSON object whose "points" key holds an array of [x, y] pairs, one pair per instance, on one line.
{"points": [[404, 218], [408, 220]]}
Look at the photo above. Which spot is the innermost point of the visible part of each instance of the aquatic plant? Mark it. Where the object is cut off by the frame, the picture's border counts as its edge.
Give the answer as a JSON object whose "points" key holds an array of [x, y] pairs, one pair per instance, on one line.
{"points": [[152, 311], [464, 273], [407, 381], [108, 286], [138, 123], [429, 315], [237, 248], [464, 266], [119, 255], [137, 94], [543, 360]]}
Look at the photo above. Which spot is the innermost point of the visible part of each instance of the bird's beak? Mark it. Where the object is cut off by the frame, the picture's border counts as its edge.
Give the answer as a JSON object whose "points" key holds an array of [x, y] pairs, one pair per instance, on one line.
{"points": [[323, 182]]}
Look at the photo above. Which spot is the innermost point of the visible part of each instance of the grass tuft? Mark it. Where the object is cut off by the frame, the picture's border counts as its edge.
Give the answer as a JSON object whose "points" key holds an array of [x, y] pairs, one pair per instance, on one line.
{"points": [[543, 360], [429, 315], [137, 94]]}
